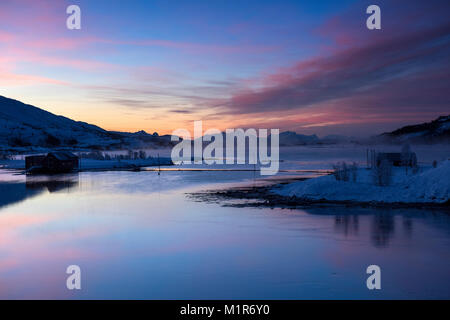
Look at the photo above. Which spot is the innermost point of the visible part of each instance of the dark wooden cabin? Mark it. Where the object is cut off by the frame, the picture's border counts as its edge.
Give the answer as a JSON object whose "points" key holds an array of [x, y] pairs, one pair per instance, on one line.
{"points": [[53, 162], [34, 161], [397, 159]]}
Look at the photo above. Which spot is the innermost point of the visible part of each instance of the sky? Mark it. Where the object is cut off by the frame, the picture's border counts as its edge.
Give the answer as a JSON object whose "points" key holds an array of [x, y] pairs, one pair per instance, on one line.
{"points": [[304, 66]]}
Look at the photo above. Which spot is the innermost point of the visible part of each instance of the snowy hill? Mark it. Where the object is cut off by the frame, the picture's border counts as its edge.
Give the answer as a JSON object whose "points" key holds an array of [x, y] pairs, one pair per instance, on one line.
{"points": [[436, 131], [25, 127], [430, 186]]}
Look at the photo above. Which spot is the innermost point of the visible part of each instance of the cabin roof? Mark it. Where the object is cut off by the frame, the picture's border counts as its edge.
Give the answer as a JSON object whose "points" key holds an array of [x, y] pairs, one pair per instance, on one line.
{"points": [[41, 156], [389, 154], [394, 156], [63, 155]]}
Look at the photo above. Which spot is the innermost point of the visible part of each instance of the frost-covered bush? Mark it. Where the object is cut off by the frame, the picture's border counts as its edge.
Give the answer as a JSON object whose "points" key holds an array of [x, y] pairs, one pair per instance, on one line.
{"points": [[382, 174], [341, 171], [142, 154], [130, 155], [354, 171], [94, 155], [406, 155], [134, 155], [5, 156]]}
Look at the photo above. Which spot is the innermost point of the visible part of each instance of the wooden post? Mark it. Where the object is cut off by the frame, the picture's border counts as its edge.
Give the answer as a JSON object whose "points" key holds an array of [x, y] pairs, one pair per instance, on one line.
{"points": [[159, 166]]}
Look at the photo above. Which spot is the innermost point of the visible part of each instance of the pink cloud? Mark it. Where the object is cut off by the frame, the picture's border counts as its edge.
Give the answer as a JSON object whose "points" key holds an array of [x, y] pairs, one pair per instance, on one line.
{"points": [[8, 78], [6, 37], [389, 77]]}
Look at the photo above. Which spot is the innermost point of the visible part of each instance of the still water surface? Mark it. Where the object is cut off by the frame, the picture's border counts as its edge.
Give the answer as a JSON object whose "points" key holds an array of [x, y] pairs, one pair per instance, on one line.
{"points": [[137, 235]]}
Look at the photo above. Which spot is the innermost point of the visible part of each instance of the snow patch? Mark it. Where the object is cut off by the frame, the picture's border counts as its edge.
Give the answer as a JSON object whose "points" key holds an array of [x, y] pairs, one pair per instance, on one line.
{"points": [[430, 186]]}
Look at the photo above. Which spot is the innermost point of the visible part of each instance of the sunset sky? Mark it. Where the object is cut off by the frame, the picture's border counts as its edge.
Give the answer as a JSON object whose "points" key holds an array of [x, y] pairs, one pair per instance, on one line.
{"points": [[306, 66]]}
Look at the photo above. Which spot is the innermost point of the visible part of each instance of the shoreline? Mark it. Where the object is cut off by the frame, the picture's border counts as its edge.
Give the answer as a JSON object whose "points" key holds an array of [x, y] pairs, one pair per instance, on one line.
{"points": [[262, 196]]}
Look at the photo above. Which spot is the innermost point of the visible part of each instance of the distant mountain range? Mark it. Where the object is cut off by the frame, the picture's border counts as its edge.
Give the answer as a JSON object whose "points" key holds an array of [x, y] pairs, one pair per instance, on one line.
{"points": [[290, 138], [436, 131], [25, 127]]}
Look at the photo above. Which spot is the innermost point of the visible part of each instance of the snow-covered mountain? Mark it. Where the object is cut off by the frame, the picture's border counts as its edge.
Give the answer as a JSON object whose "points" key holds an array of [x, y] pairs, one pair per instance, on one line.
{"points": [[290, 138], [336, 138], [24, 126], [436, 131]]}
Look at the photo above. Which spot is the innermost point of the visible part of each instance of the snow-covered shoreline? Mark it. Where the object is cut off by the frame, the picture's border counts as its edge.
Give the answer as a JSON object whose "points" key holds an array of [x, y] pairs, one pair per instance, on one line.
{"points": [[431, 185]]}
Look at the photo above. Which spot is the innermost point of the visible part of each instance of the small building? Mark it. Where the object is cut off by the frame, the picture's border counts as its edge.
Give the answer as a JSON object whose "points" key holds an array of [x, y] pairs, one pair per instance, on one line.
{"points": [[397, 159], [53, 162], [34, 161]]}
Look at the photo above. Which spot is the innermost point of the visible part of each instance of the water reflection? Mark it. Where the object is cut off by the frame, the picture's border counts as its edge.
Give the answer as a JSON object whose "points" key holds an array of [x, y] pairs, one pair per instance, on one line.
{"points": [[133, 241], [384, 223], [12, 192], [346, 224], [53, 183], [383, 228]]}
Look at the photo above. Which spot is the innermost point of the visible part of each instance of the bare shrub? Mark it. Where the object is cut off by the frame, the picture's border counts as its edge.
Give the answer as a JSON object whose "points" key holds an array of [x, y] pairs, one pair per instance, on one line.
{"points": [[406, 156], [382, 174], [341, 171], [142, 154], [5, 156], [354, 171], [94, 155]]}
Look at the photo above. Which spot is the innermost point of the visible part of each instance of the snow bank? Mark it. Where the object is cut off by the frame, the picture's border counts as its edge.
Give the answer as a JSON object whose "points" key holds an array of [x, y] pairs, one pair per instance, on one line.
{"points": [[430, 186], [12, 164]]}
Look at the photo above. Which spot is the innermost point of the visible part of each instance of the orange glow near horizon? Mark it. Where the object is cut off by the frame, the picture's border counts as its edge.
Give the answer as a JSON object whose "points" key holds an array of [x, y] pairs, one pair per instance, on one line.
{"points": [[322, 83]]}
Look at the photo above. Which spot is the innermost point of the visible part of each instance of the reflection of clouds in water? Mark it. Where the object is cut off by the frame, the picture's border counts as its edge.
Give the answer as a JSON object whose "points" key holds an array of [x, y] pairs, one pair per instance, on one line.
{"points": [[114, 223], [145, 182]]}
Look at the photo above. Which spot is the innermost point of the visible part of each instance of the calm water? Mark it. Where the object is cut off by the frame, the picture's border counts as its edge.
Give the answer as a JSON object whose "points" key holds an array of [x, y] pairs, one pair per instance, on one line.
{"points": [[137, 235]]}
